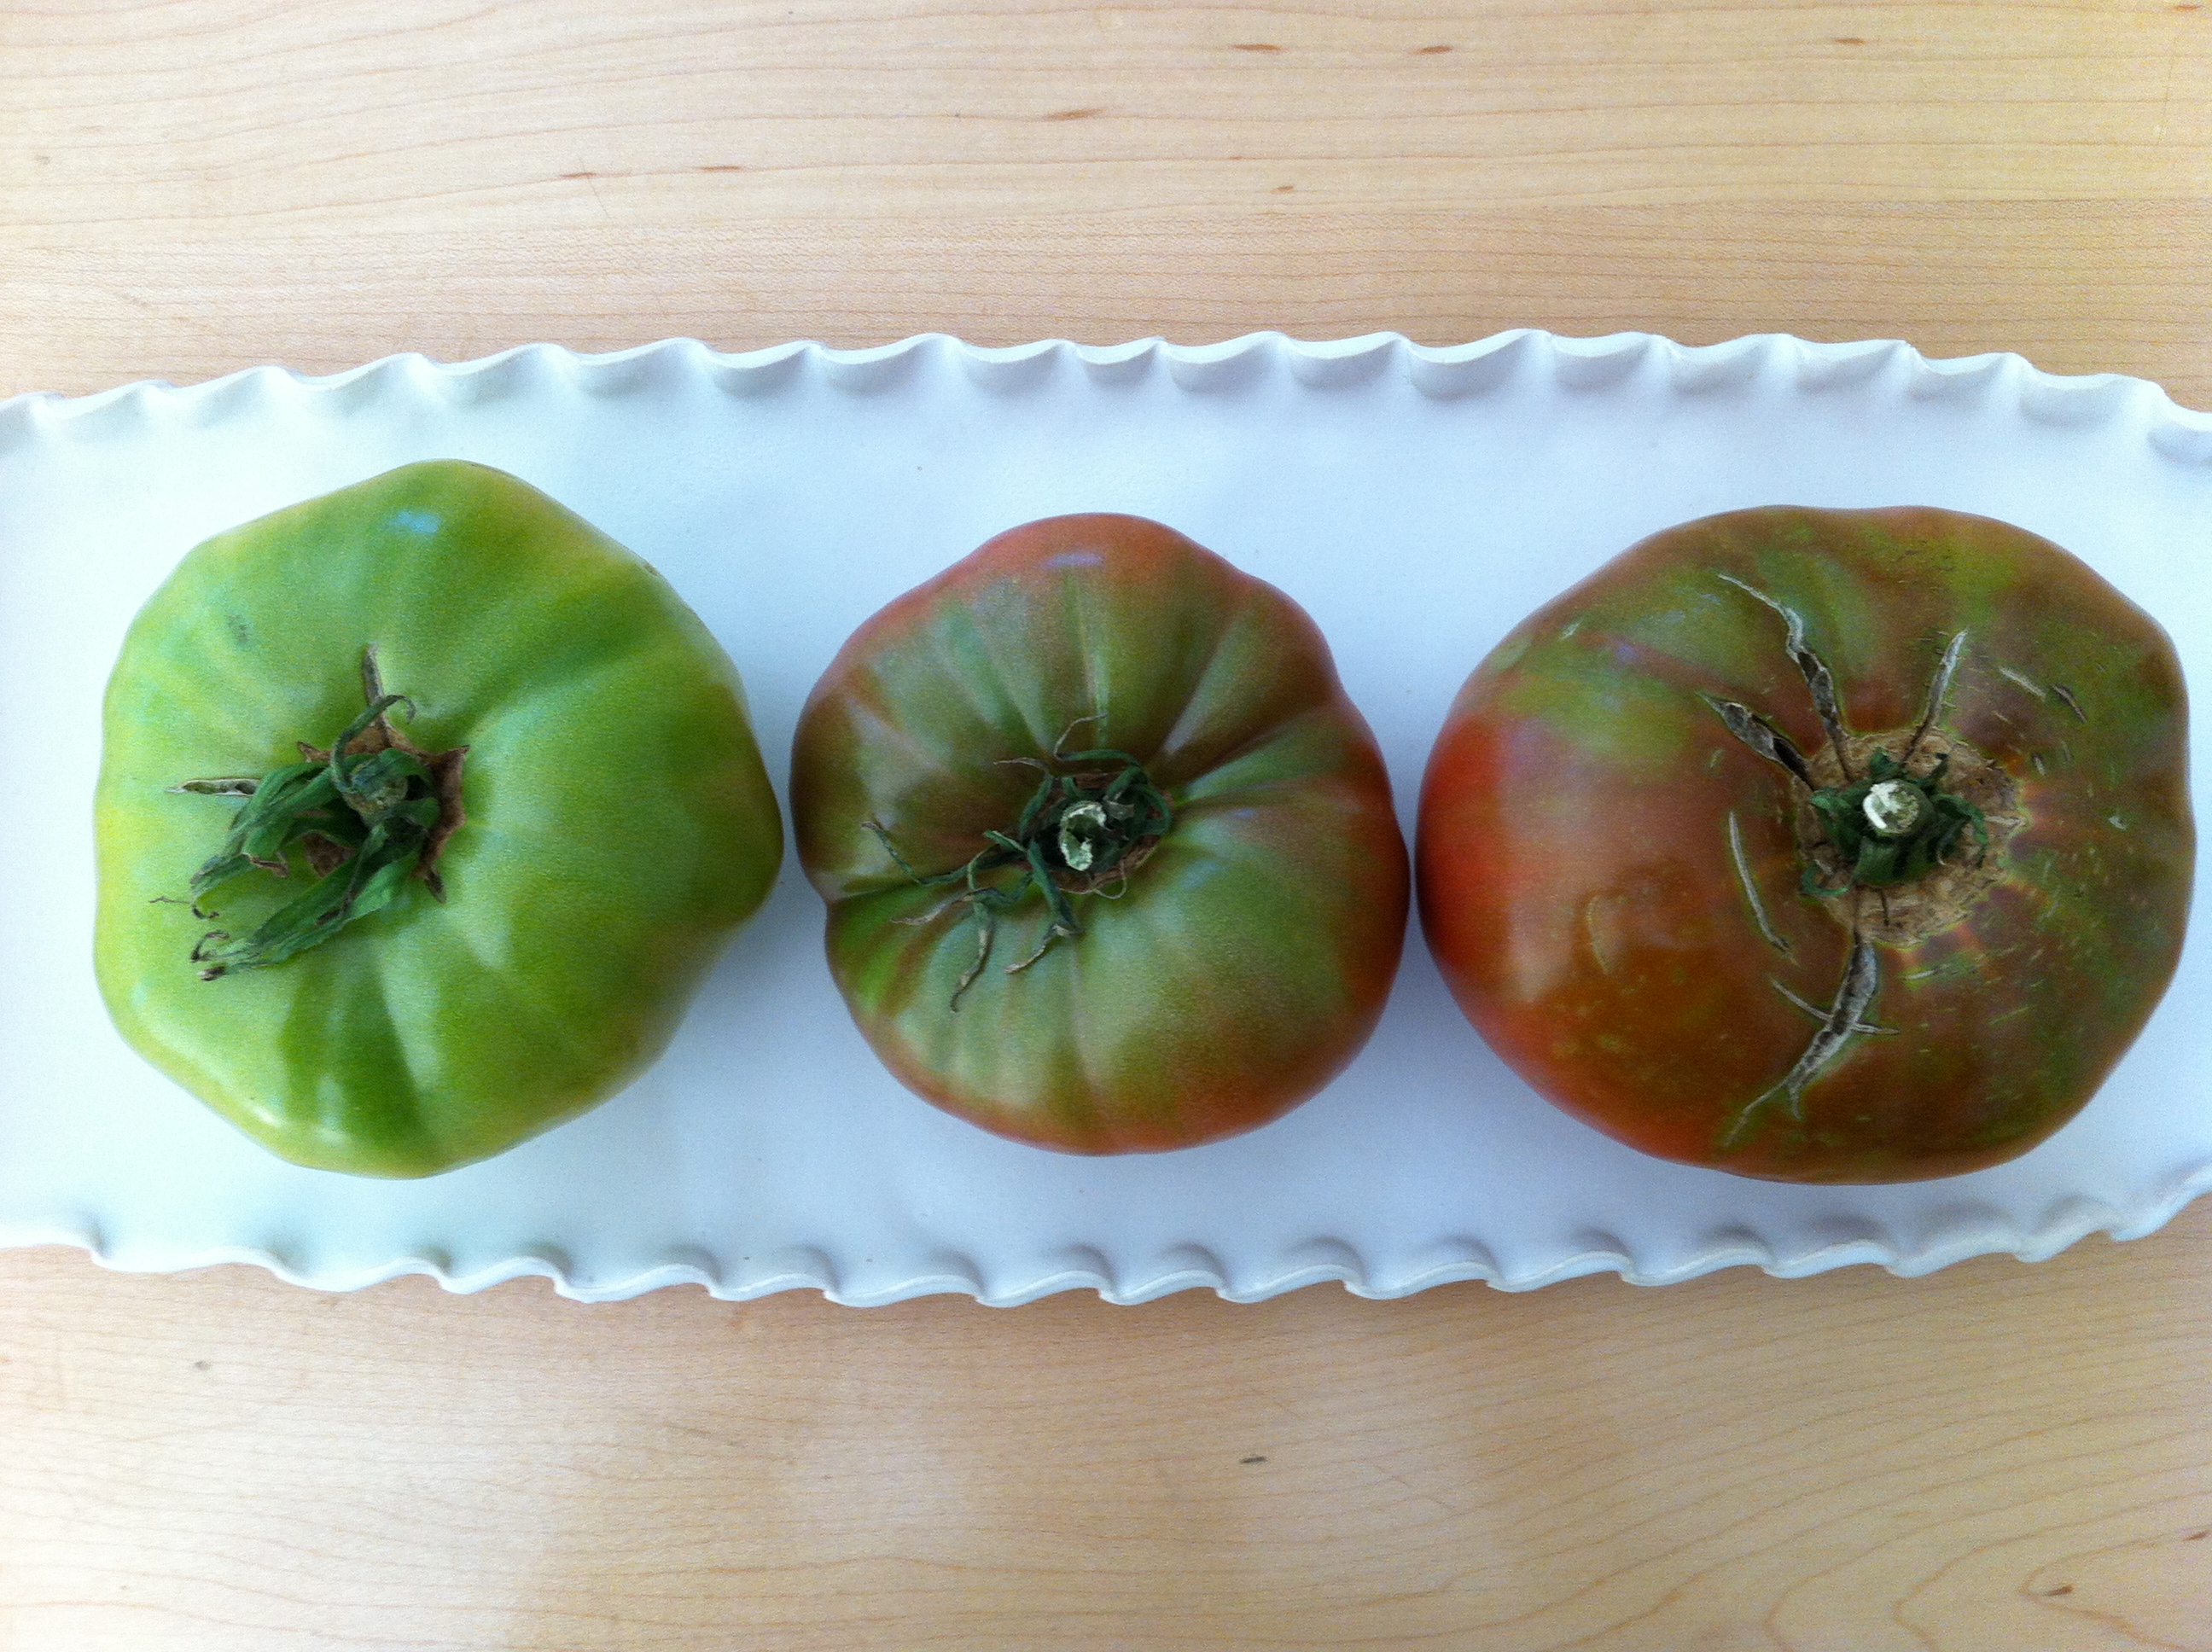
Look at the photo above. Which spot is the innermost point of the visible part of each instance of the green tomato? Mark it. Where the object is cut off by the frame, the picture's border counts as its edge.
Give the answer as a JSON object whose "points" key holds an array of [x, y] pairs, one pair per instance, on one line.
{"points": [[499, 923]]}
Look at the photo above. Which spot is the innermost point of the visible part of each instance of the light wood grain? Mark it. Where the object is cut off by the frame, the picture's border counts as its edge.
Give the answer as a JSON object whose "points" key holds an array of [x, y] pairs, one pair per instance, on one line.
{"points": [[448, 113], [190, 187], [1997, 1459], [2077, 287]]}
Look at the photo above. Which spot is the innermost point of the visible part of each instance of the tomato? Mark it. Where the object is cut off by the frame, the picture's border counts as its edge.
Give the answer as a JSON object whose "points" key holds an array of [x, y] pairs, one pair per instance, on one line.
{"points": [[1903, 937], [1111, 859], [494, 903]]}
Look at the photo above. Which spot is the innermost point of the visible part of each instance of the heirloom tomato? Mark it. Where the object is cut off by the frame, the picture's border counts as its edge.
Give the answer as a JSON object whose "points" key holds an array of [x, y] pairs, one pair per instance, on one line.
{"points": [[1110, 859], [494, 807], [1816, 846]]}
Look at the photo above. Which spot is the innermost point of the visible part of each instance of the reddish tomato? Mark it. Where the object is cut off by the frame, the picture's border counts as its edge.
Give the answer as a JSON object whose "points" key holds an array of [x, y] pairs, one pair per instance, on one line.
{"points": [[1904, 936], [1111, 859]]}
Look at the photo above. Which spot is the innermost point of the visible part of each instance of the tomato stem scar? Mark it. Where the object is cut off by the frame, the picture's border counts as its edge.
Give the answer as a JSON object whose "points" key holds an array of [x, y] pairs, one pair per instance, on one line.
{"points": [[1894, 808]]}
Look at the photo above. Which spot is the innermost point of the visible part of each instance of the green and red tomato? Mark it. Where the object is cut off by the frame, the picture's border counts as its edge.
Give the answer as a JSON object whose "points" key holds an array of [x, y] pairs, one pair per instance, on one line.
{"points": [[1817, 845], [1111, 859]]}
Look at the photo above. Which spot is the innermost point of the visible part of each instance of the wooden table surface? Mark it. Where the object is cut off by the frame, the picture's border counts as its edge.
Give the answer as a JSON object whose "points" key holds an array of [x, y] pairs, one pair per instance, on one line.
{"points": [[1999, 1456]]}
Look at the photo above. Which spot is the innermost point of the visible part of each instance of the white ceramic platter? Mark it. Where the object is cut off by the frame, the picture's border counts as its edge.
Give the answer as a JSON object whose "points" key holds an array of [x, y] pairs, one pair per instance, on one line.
{"points": [[1417, 501]]}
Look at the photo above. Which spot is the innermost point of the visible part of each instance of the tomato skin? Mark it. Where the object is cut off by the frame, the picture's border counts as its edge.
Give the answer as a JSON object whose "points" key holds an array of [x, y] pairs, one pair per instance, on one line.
{"points": [[1580, 891], [1244, 961], [619, 822]]}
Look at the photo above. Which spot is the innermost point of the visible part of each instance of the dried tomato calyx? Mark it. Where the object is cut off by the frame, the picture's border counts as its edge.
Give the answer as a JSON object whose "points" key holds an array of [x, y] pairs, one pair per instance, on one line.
{"points": [[1081, 833], [1892, 827], [1927, 880], [372, 811]]}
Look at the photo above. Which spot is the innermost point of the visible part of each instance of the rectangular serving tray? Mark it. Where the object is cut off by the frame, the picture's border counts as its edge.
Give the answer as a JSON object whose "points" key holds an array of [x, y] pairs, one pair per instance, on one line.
{"points": [[1418, 501]]}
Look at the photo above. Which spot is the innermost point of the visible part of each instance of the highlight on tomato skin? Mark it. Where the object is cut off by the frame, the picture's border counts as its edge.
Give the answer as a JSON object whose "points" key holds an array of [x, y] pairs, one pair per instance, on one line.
{"points": [[1815, 845], [1110, 858]]}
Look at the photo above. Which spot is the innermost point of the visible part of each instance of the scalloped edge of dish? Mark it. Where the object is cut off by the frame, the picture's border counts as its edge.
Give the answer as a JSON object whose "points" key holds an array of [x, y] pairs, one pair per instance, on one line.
{"points": [[1441, 371], [2177, 433], [1968, 1235]]}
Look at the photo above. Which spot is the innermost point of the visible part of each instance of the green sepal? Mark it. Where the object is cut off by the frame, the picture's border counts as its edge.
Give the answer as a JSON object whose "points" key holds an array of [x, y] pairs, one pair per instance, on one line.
{"points": [[1874, 861], [380, 805], [1076, 827]]}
